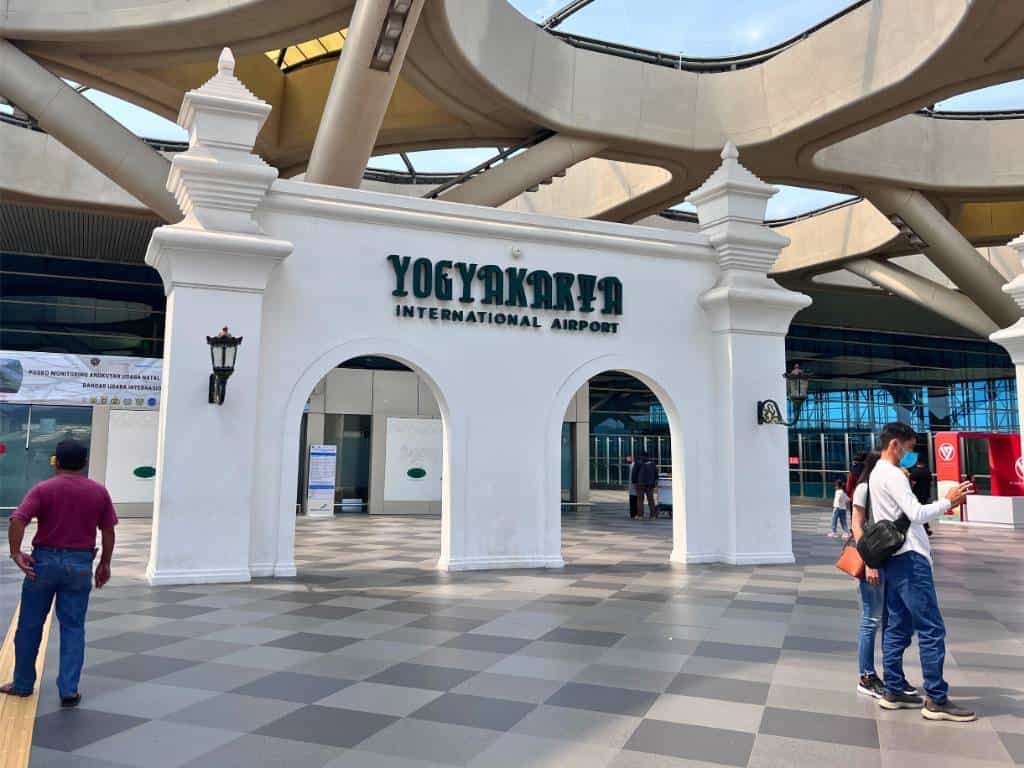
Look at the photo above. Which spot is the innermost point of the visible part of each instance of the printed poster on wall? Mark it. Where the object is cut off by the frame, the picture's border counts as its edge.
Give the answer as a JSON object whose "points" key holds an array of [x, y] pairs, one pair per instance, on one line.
{"points": [[412, 464], [323, 463], [59, 379]]}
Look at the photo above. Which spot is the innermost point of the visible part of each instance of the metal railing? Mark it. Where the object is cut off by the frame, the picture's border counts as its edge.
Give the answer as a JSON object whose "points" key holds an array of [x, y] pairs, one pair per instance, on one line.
{"points": [[609, 467]]}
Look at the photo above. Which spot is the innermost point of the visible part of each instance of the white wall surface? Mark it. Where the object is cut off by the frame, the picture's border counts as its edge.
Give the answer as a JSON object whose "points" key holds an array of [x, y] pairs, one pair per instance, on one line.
{"points": [[131, 443]]}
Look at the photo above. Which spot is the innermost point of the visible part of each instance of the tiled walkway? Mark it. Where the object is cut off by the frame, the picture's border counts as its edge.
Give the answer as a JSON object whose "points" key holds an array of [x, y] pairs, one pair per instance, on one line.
{"points": [[371, 658]]}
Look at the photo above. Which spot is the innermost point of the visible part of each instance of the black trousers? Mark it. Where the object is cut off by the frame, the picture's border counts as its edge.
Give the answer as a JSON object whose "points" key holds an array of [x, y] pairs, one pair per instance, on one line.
{"points": [[646, 492]]}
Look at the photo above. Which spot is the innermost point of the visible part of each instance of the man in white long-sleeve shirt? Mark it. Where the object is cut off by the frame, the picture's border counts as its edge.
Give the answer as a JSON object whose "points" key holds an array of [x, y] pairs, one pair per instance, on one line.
{"points": [[910, 599]]}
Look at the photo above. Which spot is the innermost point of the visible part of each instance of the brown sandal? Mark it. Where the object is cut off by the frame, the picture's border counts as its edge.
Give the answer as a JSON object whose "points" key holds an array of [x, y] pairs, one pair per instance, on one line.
{"points": [[9, 690]]}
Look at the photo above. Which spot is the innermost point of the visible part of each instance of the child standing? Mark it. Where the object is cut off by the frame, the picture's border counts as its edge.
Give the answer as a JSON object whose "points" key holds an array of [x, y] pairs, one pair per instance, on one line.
{"points": [[839, 505]]}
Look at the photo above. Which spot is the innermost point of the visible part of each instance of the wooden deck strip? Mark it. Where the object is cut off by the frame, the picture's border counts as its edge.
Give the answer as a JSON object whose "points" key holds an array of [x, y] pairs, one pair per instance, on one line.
{"points": [[17, 715]]}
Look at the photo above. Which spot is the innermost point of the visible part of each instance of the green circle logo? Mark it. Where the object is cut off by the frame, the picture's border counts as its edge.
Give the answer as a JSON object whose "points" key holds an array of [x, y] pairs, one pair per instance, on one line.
{"points": [[417, 473], [144, 472]]}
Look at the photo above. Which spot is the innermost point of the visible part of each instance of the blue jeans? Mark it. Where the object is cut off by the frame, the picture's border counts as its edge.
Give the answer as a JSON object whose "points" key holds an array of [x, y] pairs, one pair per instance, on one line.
{"points": [[912, 606], [839, 515], [68, 577], [872, 600]]}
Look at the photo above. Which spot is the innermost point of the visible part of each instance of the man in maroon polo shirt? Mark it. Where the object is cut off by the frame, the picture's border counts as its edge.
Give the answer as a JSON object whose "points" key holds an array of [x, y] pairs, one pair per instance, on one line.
{"points": [[69, 509]]}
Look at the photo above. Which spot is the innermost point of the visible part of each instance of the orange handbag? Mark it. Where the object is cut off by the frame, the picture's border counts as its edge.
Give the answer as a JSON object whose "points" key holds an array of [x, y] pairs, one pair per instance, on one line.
{"points": [[850, 561]]}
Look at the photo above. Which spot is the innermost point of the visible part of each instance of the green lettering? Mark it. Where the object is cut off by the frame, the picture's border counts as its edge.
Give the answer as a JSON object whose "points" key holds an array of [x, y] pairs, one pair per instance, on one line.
{"points": [[540, 280], [422, 278], [563, 291], [442, 283], [516, 287], [494, 284], [611, 288], [466, 272], [401, 266], [588, 292]]}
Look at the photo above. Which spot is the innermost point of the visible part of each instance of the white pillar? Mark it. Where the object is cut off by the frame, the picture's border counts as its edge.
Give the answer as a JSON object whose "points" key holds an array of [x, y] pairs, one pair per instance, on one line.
{"points": [[214, 265], [1012, 338], [749, 315]]}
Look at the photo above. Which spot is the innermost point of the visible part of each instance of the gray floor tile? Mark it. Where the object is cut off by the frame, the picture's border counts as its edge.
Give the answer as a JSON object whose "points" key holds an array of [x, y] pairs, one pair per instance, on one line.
{"points": [[197, 649], [292, 686], [264, 657], [422, 676], [692, 742], [213, 676], [836, 729], [41, 757], [383, 699], [447, 623], [600, 698], [68, 730], [331, 726], [254, 751], [578, 725], [308, 641], [528, 689], [474, 711], [141, 667], [489, 643], [332, 612], [158, 744], [737, 652], [234, 712], [700, 686], [175, 611], [582, 637], [516, 750], [135, 642], [709, 713], [779, 752], [1014, 743], [626, 677], [148, 700], [433, 742]]}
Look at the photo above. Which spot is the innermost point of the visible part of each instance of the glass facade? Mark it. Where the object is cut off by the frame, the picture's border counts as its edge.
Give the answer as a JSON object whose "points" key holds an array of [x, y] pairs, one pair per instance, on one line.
{"points": [[625, 418], [50, 304], [860, 380]]}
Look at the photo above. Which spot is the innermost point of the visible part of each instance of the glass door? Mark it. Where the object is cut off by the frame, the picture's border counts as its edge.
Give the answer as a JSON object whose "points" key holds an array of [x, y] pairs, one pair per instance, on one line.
{"points": [[28, 442]]}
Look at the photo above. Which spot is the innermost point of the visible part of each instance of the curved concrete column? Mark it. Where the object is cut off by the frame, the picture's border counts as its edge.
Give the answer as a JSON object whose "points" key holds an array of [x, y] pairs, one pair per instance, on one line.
{"points": [[503, 182], [358, 98], [949, 251], [927, 294], [86, 130]]}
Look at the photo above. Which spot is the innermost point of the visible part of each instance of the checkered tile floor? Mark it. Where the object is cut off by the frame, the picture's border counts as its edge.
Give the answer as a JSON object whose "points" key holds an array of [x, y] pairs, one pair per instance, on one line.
{"points": [[371, 658]]}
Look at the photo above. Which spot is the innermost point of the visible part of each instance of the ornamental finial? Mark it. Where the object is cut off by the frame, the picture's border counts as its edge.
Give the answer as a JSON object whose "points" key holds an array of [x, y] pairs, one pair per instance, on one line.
{"points": [[226, 62]]}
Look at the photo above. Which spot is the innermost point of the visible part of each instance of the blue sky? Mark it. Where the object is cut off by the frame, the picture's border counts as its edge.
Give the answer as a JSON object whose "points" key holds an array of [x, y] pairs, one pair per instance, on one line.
{"points": [[701, 28]]}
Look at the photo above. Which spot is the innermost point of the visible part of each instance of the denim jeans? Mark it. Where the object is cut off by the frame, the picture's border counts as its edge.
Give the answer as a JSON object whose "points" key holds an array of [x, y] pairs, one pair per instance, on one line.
{"points": [[912, 605], [68, 577], [839, 515], [872, 601]]}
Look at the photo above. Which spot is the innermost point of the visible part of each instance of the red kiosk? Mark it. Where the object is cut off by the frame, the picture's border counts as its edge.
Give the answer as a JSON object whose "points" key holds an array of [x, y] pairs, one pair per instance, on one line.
{"points": [[1004, 504]]}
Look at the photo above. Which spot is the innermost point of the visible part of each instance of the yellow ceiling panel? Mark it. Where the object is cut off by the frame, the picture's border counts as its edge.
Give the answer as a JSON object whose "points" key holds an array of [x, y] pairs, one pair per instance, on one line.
{"points": [[310, 50]]}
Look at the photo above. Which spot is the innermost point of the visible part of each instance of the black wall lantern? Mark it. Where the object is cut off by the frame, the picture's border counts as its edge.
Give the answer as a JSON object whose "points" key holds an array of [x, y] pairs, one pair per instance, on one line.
{"points": [[797, 382], [223, 349]]}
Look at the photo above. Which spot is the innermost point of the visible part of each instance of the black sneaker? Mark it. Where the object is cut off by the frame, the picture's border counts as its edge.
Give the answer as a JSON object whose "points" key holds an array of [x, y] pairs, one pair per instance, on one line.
{"points": [[892, 700], [69, 702], [870, 685], [911, 690], [947, 710]]}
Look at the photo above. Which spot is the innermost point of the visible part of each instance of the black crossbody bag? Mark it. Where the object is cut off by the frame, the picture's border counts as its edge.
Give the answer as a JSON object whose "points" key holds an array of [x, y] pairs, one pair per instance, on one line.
{"points": [[882, 539]]}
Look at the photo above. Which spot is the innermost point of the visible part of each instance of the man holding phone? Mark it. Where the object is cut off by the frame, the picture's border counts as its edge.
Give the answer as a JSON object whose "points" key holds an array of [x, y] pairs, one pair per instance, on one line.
{"points": [[910, 599]]}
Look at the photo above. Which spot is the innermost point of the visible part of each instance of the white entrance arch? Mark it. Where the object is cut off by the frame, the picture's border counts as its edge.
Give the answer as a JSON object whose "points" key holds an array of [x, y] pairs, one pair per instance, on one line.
{"points": [[272, 548], [504, 314]]}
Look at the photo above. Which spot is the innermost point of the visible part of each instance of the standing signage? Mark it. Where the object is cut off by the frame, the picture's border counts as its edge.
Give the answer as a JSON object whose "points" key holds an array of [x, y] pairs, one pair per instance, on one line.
{"points": [[947, 463], [59, 379], [323, 463]]}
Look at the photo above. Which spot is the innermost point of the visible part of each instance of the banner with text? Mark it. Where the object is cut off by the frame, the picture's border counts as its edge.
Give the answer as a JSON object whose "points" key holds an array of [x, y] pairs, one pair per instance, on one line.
{"points": [[59, 379]]}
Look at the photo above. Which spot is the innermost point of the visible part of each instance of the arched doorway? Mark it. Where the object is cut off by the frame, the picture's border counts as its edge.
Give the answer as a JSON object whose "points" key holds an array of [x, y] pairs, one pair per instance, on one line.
{"points": [[370, 469], [611, 416]]}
